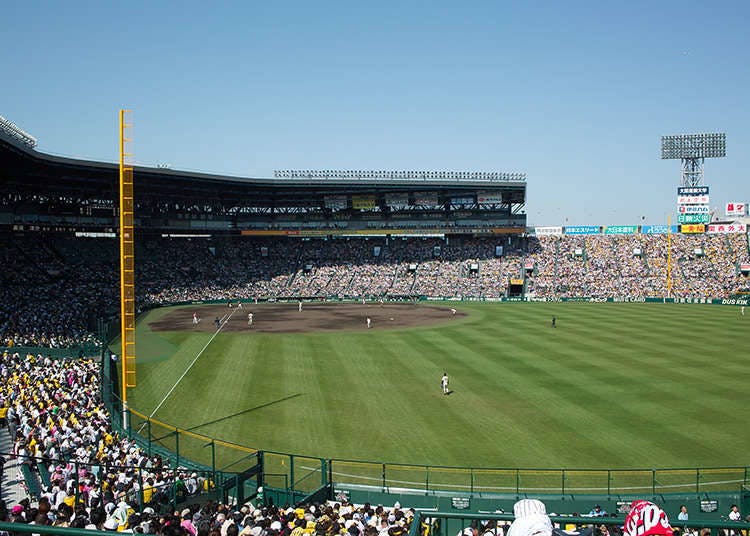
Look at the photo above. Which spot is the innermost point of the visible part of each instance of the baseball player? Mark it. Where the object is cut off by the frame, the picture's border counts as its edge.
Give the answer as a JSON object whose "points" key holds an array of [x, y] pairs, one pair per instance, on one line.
{"points": [[196, 318], [299, 307], [369, 323], [249, 319], [453, 312], [444, 383]]}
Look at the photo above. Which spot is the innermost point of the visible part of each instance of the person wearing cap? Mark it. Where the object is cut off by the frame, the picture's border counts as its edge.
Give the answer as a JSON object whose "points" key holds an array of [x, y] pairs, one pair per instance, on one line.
{"points": [[187, 521], [597, 511], [531, 519], [646, 519], [683, 515]]}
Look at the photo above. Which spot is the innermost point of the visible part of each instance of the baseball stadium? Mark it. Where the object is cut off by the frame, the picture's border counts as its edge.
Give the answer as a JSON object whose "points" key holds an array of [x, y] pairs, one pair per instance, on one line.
{"points": [[171, 338]]}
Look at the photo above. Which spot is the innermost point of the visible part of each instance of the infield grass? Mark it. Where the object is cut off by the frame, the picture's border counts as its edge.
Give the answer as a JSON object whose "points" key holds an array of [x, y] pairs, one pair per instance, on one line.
{"points": [[613, 386]]}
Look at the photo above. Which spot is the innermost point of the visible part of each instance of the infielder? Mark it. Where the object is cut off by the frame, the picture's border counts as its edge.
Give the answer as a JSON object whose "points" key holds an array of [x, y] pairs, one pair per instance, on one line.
{"points": [[196, 318], [249, 319], [299, 307], [369, 323], [453, 312]]}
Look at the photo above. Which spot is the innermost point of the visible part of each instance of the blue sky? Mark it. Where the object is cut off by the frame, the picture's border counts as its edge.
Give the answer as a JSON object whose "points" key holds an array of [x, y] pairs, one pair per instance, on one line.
{"points": [[575, 94]]}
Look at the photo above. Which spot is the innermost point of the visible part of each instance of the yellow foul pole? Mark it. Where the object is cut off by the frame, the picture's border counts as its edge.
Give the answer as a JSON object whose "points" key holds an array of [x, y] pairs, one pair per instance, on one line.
{"points": [[127, 266], [669, 256]]}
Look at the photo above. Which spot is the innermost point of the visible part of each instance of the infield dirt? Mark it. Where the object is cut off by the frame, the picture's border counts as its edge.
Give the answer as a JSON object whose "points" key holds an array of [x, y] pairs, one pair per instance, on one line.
{"points": [[314, 317]]}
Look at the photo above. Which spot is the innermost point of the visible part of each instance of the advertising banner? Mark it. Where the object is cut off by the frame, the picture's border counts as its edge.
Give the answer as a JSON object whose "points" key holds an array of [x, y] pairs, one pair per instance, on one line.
{"points": [[735, 209], [462, 201], [363, 202], [529, 265], [693, 228], [692, 200], [489, 198], [621, 229], [397, 200], [582, 230], [694, 209], [692, 190], [429, 199], [727, 228], [335, 202], [548, 231], [694, 218], [745, 267], [658, 229]]}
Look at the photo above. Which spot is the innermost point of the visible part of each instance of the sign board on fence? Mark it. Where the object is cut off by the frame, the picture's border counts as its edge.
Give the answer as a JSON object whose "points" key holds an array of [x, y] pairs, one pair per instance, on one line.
{"points": [[548, 231], [694, 218], [462, 201], [658, 229], [694, 209], [460, 503], [745, 267], [735, 209], [397, 201], [335, 202], [709, 506], [692, 200], [621, 229], [692, 190], [727, 228], [582, 229], [363, 202], [692, 228], [489, 198], [428, 199]]}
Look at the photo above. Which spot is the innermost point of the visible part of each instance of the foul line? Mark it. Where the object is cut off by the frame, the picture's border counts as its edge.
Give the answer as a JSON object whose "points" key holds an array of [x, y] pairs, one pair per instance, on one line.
{"points": [[222, 323]]}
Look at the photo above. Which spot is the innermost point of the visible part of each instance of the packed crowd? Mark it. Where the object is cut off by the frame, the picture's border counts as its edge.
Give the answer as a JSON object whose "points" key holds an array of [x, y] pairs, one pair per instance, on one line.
{"points": [[217, 519], [702, 266], [53, 290]]}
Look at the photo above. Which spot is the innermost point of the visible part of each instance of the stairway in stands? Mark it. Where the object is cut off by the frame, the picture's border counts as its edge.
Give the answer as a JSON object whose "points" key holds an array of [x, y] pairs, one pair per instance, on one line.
{"points": [[12, 491]]}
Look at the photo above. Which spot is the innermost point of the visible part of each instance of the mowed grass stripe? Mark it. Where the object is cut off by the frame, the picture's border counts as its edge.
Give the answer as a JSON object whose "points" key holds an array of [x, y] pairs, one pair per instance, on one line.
{"points": [[615, 385]]}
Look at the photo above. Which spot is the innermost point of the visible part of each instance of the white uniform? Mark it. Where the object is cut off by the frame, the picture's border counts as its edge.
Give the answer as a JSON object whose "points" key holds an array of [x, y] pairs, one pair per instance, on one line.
{"points": [[195, 318], [453, 312], [300, 307], [239, 304], [249, 319], [444, 383], [369, 323]]}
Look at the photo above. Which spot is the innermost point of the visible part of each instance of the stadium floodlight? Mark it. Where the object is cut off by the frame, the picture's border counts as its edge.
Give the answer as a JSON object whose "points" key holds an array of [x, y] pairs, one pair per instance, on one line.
{"points": [[692, 150], [17, 132], [694, 146]]}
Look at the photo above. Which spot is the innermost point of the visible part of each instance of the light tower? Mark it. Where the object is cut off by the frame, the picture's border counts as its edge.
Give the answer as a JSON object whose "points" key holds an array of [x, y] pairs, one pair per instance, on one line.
{"points": [[692, 150]]}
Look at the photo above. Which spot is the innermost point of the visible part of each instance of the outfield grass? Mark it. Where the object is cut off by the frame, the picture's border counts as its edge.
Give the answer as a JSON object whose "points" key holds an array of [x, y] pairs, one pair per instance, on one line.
{"points": [[613, 386]]}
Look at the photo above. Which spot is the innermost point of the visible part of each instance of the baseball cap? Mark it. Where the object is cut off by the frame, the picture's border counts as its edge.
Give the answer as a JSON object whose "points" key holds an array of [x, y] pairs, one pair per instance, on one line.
{"points": [[531, 519], [646, 519]]}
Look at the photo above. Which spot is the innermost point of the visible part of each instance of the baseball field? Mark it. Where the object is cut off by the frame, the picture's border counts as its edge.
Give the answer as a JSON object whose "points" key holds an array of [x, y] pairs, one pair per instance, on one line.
{"points": [[613, 385]]}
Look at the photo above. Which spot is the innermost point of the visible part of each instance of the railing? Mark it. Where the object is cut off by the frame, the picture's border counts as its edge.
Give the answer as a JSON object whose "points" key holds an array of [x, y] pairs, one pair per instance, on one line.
{"points": [[299, 473], [73, 352], [450, 523], [207, 482]]}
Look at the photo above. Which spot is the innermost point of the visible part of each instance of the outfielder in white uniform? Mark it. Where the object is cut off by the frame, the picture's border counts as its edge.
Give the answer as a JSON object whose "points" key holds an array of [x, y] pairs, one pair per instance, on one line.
{"points": [[249, 319], [444, 383], [369, 323]]}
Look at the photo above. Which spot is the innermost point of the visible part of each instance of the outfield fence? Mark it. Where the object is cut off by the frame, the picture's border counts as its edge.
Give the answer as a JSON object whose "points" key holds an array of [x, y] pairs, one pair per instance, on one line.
{"points": [[299, 473]]}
